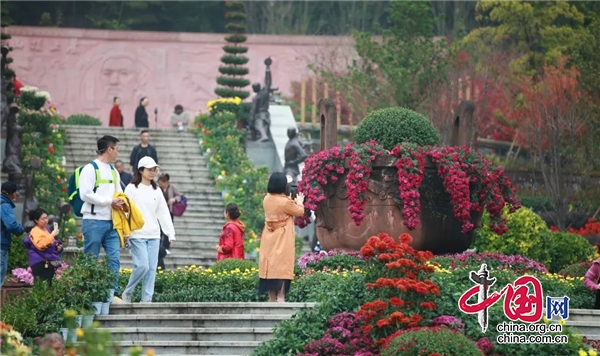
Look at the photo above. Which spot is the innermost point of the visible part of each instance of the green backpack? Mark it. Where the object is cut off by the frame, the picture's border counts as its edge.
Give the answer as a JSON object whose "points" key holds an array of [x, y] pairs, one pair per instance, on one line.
{"points": [[73, 190]]}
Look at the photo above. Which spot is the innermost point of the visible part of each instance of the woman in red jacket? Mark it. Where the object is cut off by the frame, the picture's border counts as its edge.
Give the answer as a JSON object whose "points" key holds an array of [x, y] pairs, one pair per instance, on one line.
{"points": [[231, 242], [116, 117]]}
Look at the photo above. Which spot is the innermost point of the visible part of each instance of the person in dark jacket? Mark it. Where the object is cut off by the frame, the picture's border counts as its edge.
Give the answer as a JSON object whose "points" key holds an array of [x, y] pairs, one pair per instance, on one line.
{"points": [[9, 225], [231, 242], [142, 150], [141, 116], [43, 247]]}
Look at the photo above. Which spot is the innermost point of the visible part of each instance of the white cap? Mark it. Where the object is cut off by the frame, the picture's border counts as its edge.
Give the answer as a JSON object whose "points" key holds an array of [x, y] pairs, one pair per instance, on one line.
{"points": [[147, 162]]}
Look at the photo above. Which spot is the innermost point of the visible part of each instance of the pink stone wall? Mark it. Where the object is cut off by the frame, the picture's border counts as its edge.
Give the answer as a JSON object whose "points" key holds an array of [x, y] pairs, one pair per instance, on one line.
{"points": [[84, 69]]}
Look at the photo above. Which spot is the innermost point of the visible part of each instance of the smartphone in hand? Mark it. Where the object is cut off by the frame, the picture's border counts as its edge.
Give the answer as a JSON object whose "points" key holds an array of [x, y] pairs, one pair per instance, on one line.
{"points": [[55, 225]]}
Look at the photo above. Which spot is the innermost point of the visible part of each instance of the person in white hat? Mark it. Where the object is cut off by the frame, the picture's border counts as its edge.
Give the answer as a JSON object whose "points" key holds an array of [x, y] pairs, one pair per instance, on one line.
{"points": [[145, 243]]}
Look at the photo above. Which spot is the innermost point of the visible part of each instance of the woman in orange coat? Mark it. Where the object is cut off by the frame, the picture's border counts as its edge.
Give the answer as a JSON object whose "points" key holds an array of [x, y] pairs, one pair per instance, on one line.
{"points": [[278, 240]]}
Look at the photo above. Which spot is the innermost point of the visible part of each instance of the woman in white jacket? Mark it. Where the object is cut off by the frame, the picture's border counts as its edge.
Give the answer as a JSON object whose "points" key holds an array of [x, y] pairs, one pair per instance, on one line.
{"points": [[145, 243]]}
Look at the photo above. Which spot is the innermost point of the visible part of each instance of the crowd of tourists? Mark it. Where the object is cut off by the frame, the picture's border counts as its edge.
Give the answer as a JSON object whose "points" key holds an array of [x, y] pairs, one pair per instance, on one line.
{"points": [[134, 210]]}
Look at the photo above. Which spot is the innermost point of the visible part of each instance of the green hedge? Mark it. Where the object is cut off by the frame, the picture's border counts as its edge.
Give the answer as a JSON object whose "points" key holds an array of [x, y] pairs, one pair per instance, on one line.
{"points": [[529, 236], [83, 120]]}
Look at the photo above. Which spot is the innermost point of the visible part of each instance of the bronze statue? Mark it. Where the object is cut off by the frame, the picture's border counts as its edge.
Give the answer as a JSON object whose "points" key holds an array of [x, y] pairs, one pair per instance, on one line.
{"points": [[294, 154], [260, 120], [8, 116]]}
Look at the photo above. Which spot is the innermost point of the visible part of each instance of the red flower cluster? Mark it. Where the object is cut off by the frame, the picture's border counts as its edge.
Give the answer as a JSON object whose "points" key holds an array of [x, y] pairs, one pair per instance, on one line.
{"points": [[472, 182], [357, 181], [405, 295], [592, 227], [411, 166], [328, 166]]}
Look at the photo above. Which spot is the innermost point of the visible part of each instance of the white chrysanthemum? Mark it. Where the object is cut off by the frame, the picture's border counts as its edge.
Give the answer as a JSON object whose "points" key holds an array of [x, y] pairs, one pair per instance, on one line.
{"points": [[28, 88], [43, 94]]}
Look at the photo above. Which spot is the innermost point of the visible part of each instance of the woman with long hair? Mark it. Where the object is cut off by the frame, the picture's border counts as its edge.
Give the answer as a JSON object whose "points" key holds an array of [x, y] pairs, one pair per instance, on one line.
{"points": [[42, 246], [278, 240], [145, 242]]}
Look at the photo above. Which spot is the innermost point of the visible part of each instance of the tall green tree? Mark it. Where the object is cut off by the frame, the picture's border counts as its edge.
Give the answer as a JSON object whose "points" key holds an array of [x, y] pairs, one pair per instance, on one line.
{"points": [[231, 81], [395, 66], [540, 32]]}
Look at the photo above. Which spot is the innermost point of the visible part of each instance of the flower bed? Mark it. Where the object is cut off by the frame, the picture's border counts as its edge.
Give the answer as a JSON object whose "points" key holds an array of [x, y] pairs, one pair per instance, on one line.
{"points": [[232, 170], [472, 182], [407, 295]]}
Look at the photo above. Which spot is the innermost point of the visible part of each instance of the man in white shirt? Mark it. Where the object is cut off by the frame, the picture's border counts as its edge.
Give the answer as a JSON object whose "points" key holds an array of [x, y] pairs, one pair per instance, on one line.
{"points": [[98, 199]]}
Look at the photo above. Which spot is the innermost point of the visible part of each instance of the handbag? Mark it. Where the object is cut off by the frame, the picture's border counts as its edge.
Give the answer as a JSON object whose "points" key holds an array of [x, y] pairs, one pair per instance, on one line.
{"points": [[179, 207]]}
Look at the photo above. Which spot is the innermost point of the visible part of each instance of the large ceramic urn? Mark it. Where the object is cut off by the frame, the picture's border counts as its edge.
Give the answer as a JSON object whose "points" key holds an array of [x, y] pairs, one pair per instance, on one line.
{"points": [[438, 230]]}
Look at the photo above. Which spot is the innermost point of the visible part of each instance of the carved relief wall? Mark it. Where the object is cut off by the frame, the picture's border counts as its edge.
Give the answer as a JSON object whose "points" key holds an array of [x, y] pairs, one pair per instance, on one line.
{"points": [[84, 69]]}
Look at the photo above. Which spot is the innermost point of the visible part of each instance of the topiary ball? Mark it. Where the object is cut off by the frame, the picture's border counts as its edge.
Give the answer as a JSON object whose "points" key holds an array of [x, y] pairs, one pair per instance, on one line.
{"points": [[392, 126]]}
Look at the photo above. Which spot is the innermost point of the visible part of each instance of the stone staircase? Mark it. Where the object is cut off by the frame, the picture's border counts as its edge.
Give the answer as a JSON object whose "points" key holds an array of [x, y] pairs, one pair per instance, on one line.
{"points": [[585, 322], [179, 155], [196, 328]]}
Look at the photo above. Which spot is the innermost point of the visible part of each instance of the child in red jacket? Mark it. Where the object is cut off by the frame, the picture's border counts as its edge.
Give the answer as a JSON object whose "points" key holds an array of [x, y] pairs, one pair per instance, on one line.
{"points": [[231, 242], [592, 281]]}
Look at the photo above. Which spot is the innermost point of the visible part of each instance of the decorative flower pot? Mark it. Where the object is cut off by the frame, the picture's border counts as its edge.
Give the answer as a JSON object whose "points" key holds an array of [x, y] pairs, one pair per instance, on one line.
{"points": [[87, 320], [79, 320], [97, 308], [65, 333], [12, 290], [438, 230], [72, 336], [105, 308]]}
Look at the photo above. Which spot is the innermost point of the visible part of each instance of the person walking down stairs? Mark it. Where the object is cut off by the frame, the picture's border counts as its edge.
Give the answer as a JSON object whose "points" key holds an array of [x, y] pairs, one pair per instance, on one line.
{"points": [[142, 150], [145, 242]]}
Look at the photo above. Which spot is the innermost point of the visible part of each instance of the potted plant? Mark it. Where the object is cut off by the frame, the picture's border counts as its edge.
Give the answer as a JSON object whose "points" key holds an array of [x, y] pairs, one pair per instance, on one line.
{"points": [[396, 178]]}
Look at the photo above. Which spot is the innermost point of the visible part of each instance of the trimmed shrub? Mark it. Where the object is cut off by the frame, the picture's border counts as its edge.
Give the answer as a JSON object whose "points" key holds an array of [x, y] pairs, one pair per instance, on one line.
{"points": [[83, 120], [392, 126], [576, 269], [231, 264], [529, 236], [566, 249], [430, 340]]}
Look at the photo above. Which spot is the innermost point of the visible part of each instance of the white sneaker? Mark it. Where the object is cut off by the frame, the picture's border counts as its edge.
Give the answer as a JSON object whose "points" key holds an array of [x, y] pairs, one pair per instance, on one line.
{"points": [[125, 298], [168, 252]]}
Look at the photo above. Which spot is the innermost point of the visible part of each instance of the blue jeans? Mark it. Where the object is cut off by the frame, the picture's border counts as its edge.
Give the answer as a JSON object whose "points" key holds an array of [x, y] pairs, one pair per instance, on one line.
{"points": [[3, 266], [102, 233], [144, 253]]}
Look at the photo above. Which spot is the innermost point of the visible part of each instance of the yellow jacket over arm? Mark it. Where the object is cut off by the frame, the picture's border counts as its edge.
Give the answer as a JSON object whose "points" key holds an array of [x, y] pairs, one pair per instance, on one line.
{"points": [[127, 220]]}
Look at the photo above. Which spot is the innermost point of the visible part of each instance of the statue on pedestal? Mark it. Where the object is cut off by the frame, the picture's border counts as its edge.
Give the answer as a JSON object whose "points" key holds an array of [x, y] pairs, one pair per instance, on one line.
{"points": [[294, 154], [260, 119], [14, 132]]}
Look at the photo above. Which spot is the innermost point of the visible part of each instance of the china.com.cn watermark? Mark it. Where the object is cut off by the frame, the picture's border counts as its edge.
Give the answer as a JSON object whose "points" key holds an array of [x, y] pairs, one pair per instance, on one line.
{"points": [[519, 306], [511, 333]]}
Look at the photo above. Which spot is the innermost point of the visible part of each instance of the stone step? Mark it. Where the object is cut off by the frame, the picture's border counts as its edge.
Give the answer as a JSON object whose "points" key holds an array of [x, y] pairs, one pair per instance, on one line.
{"points": [[89, 142], [192, 320], [211, 308], [190, 334], [584, 315], [183, 164], [585, 327], [129, 131], [196, 347]]}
